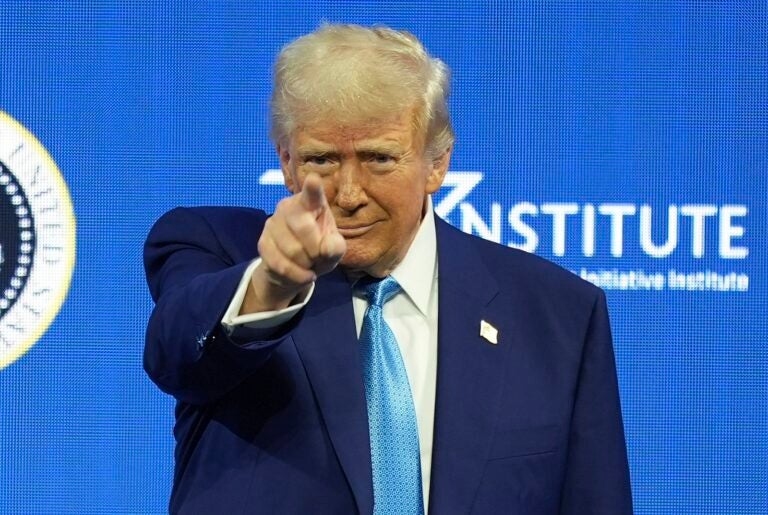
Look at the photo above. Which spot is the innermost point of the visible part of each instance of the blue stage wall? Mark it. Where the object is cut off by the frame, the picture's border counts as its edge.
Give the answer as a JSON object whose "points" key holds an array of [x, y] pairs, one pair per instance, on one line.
{"points": [[627, 141]]}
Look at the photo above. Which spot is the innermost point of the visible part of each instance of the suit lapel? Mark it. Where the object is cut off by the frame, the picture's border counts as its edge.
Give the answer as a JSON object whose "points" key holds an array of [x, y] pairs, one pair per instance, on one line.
{"points": [[469, 374], [327, 343]]}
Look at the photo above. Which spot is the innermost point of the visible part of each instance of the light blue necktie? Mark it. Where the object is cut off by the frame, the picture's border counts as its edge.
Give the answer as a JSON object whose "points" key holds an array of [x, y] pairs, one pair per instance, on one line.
{"points": [[392, 423]]}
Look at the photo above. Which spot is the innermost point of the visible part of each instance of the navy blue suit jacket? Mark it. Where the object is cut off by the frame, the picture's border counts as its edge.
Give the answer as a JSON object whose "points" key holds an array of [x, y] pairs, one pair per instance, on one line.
{"points": [[531, 425]]}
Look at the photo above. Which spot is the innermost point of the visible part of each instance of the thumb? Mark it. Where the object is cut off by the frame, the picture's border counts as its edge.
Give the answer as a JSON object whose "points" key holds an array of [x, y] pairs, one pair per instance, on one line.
{"points": [[312, 194], [332, 249], [333, 246]]}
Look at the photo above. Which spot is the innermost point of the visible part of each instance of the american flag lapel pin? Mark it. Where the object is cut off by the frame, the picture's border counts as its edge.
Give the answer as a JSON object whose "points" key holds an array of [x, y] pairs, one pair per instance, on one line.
{"points": [[489, 332]]}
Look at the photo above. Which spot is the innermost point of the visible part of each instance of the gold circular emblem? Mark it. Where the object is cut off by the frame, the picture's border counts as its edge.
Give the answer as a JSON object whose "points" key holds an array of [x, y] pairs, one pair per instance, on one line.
{"points": [[37, 240]]}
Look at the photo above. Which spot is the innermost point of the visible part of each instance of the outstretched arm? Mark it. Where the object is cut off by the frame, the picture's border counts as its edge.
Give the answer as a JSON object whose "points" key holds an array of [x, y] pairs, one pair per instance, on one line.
{"points": [[192, 279]]}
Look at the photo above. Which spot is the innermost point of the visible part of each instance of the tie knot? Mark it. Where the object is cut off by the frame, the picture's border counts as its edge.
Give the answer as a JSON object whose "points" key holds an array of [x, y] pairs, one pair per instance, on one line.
{"points": [[379, 291]]}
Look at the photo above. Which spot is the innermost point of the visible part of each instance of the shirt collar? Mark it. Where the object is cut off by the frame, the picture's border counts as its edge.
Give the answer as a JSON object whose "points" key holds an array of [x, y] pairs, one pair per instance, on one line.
{"points": [[416, 271]]}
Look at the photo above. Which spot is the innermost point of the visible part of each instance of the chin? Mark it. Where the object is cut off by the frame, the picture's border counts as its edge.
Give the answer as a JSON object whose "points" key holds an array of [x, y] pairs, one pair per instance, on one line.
{"points": [[353, 262]]}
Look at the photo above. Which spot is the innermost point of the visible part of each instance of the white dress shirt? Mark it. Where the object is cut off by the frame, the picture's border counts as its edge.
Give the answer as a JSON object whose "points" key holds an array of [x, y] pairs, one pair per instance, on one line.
{"points": [[411, 314]]}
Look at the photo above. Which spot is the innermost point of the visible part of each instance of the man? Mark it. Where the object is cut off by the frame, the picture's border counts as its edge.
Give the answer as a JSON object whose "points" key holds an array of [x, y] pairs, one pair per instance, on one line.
{"points": [[353, 353]]}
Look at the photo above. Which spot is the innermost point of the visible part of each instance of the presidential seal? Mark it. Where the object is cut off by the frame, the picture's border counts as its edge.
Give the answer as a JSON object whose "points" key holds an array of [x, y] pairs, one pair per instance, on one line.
{"points": [[37, 240]]}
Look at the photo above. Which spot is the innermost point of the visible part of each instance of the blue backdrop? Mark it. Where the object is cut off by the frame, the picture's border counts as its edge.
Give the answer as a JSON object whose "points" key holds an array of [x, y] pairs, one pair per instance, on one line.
{"points": [[627, 141]]}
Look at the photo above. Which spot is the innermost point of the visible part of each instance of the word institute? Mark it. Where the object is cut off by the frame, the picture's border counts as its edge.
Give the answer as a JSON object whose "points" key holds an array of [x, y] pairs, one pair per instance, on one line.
{"points": [[615, 221]]}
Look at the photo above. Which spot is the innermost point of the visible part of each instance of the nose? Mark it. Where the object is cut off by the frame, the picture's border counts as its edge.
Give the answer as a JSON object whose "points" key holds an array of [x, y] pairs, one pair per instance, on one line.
{"points": [[350, 190]]}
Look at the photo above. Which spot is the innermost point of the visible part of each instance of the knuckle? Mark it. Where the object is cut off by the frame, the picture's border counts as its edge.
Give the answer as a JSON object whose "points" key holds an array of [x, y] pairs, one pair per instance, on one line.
{"points": [[303, 225], [261, 245], [298, 222], [266, 248], [283, 204], [269, 228], [295, 251], [290, 247], [280, 268], [309, 233]]}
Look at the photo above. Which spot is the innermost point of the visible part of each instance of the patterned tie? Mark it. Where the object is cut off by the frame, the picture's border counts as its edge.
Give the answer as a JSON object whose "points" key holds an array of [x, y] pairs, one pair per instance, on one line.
{"points": [[391, 414]]}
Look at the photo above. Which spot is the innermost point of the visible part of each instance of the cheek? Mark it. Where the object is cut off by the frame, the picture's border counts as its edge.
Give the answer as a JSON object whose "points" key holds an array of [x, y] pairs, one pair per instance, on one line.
{"points": [[406, 217], [403, 189]]}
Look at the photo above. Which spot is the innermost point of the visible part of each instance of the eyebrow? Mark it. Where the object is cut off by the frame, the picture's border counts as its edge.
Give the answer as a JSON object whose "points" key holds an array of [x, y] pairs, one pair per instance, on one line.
{"points": [[379, 148], [312, 151], [366, 149]]}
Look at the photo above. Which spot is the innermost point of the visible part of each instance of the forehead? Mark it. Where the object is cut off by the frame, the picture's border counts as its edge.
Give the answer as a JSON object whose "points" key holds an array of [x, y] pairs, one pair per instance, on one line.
{"points": [[396, 128]]}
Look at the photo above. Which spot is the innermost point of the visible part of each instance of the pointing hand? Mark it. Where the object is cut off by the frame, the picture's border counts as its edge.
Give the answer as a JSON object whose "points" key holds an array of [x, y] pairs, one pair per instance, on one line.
{"points": [[299, 243]]}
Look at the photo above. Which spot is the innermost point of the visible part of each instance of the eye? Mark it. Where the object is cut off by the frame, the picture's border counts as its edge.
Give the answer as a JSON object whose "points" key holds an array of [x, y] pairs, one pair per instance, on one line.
{"points": [[318, 160], [382, 159]]}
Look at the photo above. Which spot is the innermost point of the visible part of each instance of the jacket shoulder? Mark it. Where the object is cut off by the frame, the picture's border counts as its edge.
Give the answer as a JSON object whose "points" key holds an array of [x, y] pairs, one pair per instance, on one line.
{"points": [[218, 222], [534, 275], [230, 234], [216, 217]]}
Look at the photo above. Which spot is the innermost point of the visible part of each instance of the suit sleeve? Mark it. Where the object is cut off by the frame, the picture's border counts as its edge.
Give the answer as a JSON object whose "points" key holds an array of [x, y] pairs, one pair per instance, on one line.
{"points": [[597, 474], [192, 279]]}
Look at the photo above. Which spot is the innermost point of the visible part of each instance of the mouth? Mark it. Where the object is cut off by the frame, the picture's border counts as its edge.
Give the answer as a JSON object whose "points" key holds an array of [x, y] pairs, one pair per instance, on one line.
{"points": [[356, 230]]}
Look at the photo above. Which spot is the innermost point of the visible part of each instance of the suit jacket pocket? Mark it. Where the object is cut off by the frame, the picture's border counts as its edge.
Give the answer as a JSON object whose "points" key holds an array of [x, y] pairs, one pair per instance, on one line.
{"points": [[510, 443]]}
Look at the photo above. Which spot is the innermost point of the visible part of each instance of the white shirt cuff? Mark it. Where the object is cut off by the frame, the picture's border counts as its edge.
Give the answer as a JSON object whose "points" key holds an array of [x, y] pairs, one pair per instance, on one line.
{"points": [[264, 320]]}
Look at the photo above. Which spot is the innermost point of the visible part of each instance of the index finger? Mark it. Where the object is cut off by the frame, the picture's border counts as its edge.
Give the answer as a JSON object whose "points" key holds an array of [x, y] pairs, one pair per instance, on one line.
{"points": [[312, 193]]}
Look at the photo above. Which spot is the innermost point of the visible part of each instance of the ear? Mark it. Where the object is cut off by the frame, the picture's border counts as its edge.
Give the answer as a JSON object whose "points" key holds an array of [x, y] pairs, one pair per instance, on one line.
{"points": [[289, 178], [438, 169]]}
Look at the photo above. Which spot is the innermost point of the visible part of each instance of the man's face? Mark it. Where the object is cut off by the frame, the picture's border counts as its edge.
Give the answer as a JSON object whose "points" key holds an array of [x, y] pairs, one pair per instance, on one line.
{"points": [[376, 178]]}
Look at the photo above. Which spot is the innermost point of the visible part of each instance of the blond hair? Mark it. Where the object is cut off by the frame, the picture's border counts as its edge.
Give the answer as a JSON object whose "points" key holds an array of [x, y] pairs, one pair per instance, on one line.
{"points": [[352, 74]]}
